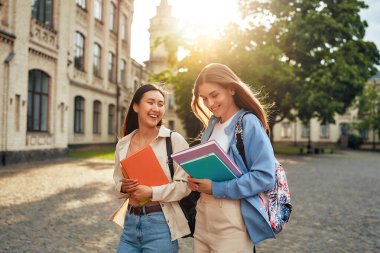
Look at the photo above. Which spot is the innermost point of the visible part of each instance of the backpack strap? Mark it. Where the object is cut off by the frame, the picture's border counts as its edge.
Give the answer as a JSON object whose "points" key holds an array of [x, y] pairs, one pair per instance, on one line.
{"points": [[240, 145], [169, 151], [239, 137]]}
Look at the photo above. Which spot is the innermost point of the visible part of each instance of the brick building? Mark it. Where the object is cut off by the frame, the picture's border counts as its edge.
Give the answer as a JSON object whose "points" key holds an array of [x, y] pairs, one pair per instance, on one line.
{"points": [[66, 75]]}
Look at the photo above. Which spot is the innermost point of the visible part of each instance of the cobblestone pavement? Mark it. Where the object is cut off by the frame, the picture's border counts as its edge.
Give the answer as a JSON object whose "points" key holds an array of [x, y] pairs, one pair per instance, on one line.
{"points": [[63, 206]]}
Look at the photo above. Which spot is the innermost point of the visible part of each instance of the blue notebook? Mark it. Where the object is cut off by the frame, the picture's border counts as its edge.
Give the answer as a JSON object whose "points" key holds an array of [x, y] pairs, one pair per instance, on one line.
{"points": [[210, 167]]}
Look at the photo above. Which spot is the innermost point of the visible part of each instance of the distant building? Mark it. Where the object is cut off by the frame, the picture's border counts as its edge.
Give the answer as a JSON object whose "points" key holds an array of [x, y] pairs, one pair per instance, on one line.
{"points": [[295, 132], [66, 74], [162, 25]]}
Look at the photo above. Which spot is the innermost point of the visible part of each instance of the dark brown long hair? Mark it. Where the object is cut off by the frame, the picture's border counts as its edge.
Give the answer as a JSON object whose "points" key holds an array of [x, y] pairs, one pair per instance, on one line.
{"points": [[244, 98], [131, 119]]}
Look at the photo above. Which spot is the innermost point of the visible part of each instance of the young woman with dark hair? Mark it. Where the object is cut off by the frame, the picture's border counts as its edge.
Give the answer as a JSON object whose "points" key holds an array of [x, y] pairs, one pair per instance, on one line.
{"points": [[155, 226]]}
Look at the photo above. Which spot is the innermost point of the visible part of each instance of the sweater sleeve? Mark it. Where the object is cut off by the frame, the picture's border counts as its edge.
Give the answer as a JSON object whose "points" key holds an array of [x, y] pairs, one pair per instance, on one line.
{"points": [[118, 174], [261, 162]]}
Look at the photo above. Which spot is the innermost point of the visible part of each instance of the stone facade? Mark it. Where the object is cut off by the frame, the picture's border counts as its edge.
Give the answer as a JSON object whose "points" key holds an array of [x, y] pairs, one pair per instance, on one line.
{"points": [[40, 48]]}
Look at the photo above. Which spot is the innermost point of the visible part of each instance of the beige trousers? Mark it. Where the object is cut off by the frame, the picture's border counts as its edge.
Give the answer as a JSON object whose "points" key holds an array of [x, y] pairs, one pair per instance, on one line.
{"points": [[219, 227]]}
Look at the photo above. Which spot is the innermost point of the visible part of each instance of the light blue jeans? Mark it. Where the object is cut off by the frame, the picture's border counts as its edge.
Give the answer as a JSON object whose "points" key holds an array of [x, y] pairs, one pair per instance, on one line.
{"points": [[146, 233]]}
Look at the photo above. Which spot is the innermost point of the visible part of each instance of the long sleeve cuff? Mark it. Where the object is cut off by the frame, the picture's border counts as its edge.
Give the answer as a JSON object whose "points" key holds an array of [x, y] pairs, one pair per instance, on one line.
{"points": [[219, 190]]}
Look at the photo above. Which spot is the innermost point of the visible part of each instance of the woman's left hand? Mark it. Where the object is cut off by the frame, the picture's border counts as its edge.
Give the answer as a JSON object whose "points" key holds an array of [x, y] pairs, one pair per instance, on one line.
{"points": [[142, 192], [204, 185]]}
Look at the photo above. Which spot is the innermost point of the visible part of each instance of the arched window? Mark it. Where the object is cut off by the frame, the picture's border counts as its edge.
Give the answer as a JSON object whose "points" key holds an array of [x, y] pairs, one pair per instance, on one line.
{"points": [[97, 117], [123, 71], [112, 17], [79, 114], [111, 119], [81, 3], [42, 10], [97, 59], [38, 101], [98, 6], [124, 23], [111, 67], [79, 51]]}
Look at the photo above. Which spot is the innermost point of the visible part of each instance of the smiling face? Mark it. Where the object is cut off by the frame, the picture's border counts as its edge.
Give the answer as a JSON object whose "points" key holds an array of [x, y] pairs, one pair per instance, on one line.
{"points": [[151, 109], [218, 100]]}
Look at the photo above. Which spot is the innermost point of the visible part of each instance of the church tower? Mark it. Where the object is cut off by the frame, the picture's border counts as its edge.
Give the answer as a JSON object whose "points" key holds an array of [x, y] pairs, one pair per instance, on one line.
{"points": [[161, 26]]}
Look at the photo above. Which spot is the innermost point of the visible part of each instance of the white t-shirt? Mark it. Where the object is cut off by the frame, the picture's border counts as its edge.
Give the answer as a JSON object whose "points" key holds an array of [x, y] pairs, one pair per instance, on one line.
{"points": [[220, 136]]}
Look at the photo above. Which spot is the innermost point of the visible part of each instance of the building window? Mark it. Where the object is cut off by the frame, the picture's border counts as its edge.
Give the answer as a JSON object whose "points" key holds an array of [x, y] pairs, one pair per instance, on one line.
{"points": [[79, 51], [364, 134], [136, 84], [4, 6], [97, 59], [111, 119], [286, 131], [98, 9], [97, 117], [79, 115], [324, 131], [112, 17], [171, 124], [124, 27], [42, 11], [123, 71], [170, 101], [62, 110], [81, 3], [123, 113], [17, 112], [111, 67], [38, 101], [305, 131]]}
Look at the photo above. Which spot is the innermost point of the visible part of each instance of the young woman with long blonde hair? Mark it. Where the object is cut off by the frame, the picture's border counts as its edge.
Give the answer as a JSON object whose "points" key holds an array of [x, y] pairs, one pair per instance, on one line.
{"points": [[229, 215]]}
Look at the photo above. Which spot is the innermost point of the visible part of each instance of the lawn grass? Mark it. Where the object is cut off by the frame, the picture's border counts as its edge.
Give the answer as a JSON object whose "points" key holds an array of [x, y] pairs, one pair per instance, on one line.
{"points": [[286, 149], [100, 153], [296, 150]]}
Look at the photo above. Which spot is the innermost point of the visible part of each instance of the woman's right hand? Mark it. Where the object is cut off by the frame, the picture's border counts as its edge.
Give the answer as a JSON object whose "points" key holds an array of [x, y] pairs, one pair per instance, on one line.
{"points": [[128, 185], [191, 184]]}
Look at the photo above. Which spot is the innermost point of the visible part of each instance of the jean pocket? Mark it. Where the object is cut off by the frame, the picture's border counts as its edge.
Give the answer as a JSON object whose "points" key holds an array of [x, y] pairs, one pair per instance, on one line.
{"points": [[156, 218]]}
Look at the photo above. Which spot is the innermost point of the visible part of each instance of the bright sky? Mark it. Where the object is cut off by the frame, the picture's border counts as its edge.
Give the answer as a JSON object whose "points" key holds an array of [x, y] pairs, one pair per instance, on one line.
{"points": [[211, 13], [208, 13]]}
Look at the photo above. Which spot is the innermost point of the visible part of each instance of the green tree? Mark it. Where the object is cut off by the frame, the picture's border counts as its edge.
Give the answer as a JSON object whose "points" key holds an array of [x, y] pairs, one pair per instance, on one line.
{"points": [[368, 105], [323, 41], [260, 67]]}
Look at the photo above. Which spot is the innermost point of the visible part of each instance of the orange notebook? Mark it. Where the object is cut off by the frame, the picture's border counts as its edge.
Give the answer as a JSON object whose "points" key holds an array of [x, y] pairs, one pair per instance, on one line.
{"points": [[144, 166]]}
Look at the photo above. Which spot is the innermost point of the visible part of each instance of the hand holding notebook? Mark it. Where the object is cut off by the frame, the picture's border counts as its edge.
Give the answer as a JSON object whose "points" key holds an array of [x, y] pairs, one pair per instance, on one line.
{"points": [[145, 167], [207, 161]]}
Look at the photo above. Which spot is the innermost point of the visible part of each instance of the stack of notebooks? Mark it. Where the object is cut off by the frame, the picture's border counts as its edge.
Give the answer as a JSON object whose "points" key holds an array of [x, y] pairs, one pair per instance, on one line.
{"points": [[145, 167], [207, 161]]}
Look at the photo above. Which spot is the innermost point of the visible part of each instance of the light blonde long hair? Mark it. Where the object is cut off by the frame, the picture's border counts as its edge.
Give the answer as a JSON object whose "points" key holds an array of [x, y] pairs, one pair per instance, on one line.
{"points": [[244, 98]]}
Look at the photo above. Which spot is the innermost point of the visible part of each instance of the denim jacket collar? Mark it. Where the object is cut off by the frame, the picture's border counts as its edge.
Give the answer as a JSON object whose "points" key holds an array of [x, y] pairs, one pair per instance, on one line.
{"points": [[228, 130]]}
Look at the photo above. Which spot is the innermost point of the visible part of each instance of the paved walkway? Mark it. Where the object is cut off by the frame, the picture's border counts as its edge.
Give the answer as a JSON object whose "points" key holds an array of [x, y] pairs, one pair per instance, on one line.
{"points": [[63, 206]]}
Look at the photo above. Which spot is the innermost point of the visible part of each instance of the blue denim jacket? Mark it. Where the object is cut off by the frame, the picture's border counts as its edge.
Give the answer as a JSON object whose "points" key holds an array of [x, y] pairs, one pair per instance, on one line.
{"points": [[259, 177]]}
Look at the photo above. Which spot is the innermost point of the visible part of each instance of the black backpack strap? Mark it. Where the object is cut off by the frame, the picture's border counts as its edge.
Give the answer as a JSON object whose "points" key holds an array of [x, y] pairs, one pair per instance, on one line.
{"points": [[169, 152], [239, 137]]}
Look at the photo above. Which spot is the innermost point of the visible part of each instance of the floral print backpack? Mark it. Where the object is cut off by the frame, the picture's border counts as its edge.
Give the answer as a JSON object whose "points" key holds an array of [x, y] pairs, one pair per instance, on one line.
{"points": [[276, 201]]}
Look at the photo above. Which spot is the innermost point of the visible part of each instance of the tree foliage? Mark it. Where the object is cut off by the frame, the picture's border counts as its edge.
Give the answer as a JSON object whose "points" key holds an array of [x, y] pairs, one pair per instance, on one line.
{"points": [[260, 68], [323, 42], [306, 58], [368, 105]]}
